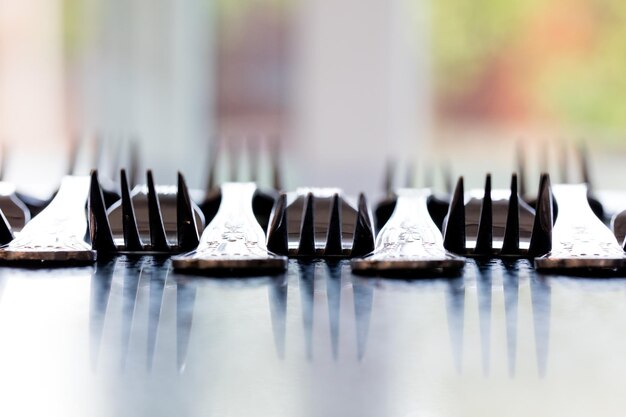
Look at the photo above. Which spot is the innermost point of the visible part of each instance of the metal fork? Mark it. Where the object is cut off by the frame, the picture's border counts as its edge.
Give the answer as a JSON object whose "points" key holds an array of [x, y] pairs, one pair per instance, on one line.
{"points": [[57, 234], [579, 241], [409, 241], [233, 241], [181, 216], [321, 223]]}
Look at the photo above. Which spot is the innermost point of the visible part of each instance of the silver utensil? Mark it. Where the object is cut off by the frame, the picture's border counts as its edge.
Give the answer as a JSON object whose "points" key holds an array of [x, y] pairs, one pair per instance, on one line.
{"points": [[410, 240], [57, 234], [233, 241], [579, 239]]}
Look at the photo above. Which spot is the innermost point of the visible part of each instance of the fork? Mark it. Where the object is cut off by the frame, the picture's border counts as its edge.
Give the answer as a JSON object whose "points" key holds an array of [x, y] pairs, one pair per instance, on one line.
{"points": [[57, 234], [233, 241]]}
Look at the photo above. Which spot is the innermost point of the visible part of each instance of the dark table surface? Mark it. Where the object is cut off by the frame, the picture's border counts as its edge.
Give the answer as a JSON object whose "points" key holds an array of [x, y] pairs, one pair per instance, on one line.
{"points": [[130, 337]]}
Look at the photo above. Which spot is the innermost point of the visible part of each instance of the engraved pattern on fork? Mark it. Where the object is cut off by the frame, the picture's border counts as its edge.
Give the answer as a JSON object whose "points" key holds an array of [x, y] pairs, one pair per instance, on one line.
{"points": [[233, 239], [579, 238], [61, 226], [410, 239]]}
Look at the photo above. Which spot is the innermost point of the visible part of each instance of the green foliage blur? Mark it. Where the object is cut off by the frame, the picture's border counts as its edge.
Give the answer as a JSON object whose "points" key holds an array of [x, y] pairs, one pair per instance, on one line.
{"points": [[568, 56]]}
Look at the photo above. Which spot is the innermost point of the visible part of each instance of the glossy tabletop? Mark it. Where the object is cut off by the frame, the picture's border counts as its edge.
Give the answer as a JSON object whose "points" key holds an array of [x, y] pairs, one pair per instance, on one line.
{"points": [[130, 337]]}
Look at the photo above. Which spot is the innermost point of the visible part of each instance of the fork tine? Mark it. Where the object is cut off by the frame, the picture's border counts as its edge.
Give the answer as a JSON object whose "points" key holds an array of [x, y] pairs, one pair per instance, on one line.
{"points": [[583, 157], [544, 157], [187, 231], [306, 246], [4, 149], [447, 177], [541, 237], [521, 168], [277, 181], [132, 239], [334, 245], [98, 156], [277, 237], [364, 231], [454, 234], [389, 177], [510, 243], [234, 154], [563, 163], [99, 227], [6, 234], [75, 141], [133, 166], [214, 150], [158, 238], [484, 239], [116, 163], [253, 158], [428, 180], [410, 175], [584, 165]]}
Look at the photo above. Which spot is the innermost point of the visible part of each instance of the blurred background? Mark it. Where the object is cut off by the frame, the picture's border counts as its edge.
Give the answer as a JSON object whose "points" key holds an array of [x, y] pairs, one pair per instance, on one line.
{"points": [[342, 86]]}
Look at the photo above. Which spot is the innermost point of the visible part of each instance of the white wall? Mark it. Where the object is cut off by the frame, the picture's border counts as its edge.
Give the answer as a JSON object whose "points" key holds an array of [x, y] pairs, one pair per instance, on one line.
{"points": [[360, 89]]}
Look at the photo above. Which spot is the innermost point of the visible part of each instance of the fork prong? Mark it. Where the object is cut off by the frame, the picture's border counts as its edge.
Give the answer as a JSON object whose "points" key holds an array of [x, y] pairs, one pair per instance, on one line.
{"points": [[428, 180], [158, 238], [389, 177], [364, 231], [6, 234], [186, 227], [563, 163], [277, 237], [99, 227], [521, 168], [544, 157], [72, 163], [234, 155], [277, 181], [253, 158], [214, 152], [584, 165], [446, 170], [334, 246], [98, 156], [410, 175], [484, 239], [306, 246], [541, 237], [132, 239], [4, 149], [116, 163], [454, 234], [510, 243], [133, 166]]}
